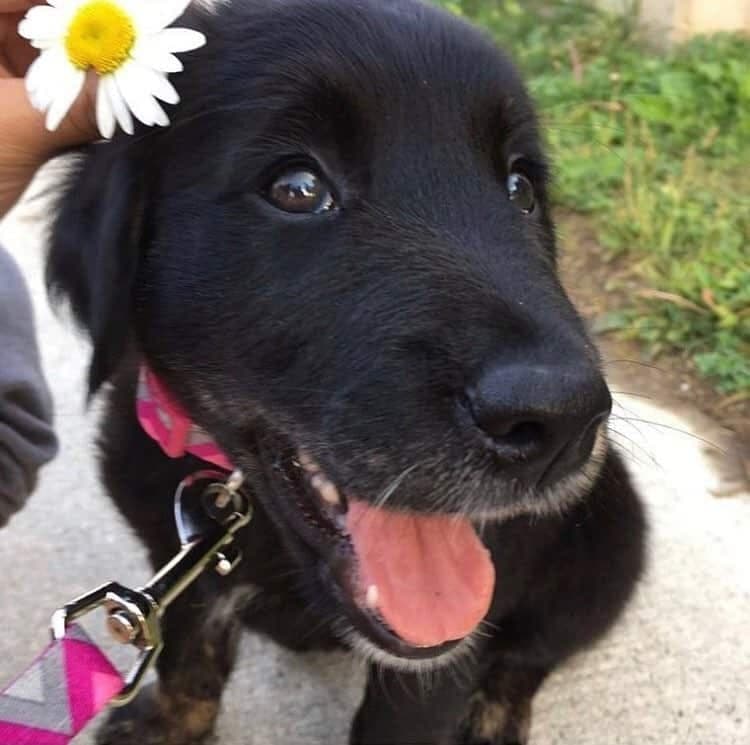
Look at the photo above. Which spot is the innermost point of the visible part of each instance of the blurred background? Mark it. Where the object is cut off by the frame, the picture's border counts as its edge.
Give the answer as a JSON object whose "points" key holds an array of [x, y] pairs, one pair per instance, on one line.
{"points": [[646, 110]]}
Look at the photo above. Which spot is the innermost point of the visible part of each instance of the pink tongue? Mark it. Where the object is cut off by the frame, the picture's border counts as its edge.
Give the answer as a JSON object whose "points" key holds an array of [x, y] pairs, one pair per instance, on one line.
{"points": [[434, 577]]}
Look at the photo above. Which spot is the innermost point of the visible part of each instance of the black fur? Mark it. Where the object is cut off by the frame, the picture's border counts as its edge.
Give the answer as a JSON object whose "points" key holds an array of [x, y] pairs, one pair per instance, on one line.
{"points": [[350, 333]]}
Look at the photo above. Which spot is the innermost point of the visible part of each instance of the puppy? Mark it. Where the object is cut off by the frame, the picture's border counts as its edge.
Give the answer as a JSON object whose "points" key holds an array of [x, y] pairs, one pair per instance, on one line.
{"points": [[339, 260]]}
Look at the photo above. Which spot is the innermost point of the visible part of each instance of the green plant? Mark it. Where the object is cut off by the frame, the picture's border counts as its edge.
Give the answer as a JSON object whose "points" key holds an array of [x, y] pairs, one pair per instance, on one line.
{"points": [[655, 148]]}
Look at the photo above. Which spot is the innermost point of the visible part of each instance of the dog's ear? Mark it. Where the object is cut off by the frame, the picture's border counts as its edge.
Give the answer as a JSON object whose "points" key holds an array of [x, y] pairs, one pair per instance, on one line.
{"points": [[96, 241]]}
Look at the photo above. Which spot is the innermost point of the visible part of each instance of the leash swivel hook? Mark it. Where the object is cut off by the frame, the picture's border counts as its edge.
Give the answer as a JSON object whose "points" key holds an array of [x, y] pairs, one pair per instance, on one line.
{"points": [[134, 615]]}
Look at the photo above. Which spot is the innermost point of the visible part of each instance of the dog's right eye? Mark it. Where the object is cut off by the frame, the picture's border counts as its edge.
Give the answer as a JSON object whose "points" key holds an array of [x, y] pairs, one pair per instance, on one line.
{"points": [[521, 192], [300, 190]]}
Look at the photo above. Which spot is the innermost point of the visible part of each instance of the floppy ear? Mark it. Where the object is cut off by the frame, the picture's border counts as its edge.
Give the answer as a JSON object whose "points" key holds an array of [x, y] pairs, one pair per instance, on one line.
{"points": [[95, 246]]}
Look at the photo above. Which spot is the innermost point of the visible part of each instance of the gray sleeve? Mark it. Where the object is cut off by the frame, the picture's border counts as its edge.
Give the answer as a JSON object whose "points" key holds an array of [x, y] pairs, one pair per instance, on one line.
{"points": [[27, 440]]}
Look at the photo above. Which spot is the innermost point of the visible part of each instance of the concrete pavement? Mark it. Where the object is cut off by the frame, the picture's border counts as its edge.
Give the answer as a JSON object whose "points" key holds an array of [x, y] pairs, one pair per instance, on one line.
{"points": [[676, 671]]}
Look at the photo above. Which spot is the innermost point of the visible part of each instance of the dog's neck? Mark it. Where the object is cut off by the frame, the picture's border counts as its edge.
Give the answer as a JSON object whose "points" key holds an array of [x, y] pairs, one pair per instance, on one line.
{"points": [[165, 421]]}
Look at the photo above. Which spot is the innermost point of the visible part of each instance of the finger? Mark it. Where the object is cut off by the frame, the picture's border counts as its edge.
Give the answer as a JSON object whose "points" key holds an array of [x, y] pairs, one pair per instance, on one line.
{"points": [[20, 123], [15, 6], [16, 54], [22, 126], [79, 126]]}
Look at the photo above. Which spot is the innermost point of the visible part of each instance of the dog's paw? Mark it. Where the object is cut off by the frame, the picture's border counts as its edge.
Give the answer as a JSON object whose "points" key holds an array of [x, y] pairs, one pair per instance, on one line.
{"points": [[152, 719], [491, 722]]}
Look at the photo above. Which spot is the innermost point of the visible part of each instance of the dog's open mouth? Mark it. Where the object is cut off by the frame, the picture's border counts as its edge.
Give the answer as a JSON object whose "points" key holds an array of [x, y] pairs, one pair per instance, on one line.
{"points": [[413, 583]]}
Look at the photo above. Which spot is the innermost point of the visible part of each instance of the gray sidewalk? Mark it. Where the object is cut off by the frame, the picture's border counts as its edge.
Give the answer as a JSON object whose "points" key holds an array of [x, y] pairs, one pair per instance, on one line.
{"points": [[675, 672]]}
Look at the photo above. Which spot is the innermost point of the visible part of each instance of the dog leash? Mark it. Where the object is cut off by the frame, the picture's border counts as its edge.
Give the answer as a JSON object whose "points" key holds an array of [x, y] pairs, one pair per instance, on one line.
{"points": [[73, 680]]}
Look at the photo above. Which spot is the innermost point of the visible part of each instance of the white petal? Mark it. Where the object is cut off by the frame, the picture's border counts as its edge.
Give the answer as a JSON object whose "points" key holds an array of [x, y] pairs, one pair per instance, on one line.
{"points": [[117, 103], [42, 22], [179, 40], [43, 44], [42, 78], [36, 73], [38, 102], [105, 117], [69, 88], [139, 100], [157, 59], [163, 119], [50, 73], [41, 100], [41, 14], [164, 90], [157, 83], [51, 70], [162, 13], [132, 94]]}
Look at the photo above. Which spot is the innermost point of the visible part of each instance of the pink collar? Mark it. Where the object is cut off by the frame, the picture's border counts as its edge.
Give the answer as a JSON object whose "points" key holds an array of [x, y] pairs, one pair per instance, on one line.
{"points": [[167, 423]]}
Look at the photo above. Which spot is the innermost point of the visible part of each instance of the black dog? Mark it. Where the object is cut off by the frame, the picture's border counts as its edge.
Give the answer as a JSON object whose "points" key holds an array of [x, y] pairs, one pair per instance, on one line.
{"points": [[340, 260]]}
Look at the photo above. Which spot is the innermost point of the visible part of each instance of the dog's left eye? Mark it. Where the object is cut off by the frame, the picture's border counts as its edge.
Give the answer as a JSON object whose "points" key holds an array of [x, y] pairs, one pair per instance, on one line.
{"points": [[300, 190], [521, 192]]}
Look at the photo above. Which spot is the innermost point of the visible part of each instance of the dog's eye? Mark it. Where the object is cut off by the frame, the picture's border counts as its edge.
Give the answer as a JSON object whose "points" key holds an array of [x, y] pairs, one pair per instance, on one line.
{"points": [[521, 192], [300, 190]]}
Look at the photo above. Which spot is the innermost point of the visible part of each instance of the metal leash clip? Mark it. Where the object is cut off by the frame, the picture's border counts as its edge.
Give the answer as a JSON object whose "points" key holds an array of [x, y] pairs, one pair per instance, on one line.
{"points": [[134, 616]]}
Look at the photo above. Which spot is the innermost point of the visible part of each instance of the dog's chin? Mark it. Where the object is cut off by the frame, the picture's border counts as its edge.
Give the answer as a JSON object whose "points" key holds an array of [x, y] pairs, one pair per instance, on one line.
{"points": [[310, 511], [555, 499]]}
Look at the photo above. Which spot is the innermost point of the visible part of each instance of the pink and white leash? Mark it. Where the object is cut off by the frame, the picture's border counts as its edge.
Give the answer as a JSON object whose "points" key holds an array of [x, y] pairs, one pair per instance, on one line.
{"points": [[59, 694]]}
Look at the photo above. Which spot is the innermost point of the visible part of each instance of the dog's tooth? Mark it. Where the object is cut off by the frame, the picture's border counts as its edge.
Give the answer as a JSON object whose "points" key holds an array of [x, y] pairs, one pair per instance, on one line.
{"points": [[326, 488], [307, 462], [372, 597]]}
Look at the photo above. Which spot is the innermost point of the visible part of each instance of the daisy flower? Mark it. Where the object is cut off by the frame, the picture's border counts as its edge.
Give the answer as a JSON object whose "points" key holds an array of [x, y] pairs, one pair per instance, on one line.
{"points": [[127, 43]]}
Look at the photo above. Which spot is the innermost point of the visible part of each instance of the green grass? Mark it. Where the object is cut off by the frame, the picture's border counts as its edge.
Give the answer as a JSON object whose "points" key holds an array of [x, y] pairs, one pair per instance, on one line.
{"points": [[655, 148]]}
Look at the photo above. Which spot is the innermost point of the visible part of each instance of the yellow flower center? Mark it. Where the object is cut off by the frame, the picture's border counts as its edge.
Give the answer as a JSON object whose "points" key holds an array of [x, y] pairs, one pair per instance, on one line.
{"points": [[100, 36]]}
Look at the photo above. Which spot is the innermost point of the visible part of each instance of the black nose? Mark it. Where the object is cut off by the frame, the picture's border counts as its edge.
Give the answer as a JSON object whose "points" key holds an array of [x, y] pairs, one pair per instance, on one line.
{"points": [[540, 421]]}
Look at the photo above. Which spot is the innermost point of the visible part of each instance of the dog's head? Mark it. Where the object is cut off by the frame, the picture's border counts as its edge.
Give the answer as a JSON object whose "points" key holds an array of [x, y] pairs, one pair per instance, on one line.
{"points": [[339, 258]]}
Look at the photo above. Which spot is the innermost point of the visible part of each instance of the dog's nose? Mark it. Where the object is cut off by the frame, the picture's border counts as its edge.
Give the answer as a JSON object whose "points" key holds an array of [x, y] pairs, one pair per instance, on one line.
{"points": [[541, 421]]}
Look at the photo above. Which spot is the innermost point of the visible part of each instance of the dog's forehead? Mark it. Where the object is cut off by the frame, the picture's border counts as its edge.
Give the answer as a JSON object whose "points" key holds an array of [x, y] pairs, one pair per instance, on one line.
{"points": [[364, 86], [381, 56]]}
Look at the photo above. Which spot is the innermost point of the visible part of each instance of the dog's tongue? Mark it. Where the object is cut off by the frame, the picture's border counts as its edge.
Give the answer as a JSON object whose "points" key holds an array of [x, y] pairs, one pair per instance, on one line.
{"points": [[433, 575]]}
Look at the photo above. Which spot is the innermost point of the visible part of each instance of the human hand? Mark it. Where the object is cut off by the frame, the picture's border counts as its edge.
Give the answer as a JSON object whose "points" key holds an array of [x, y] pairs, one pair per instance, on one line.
{"points": [[25, 143]]}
